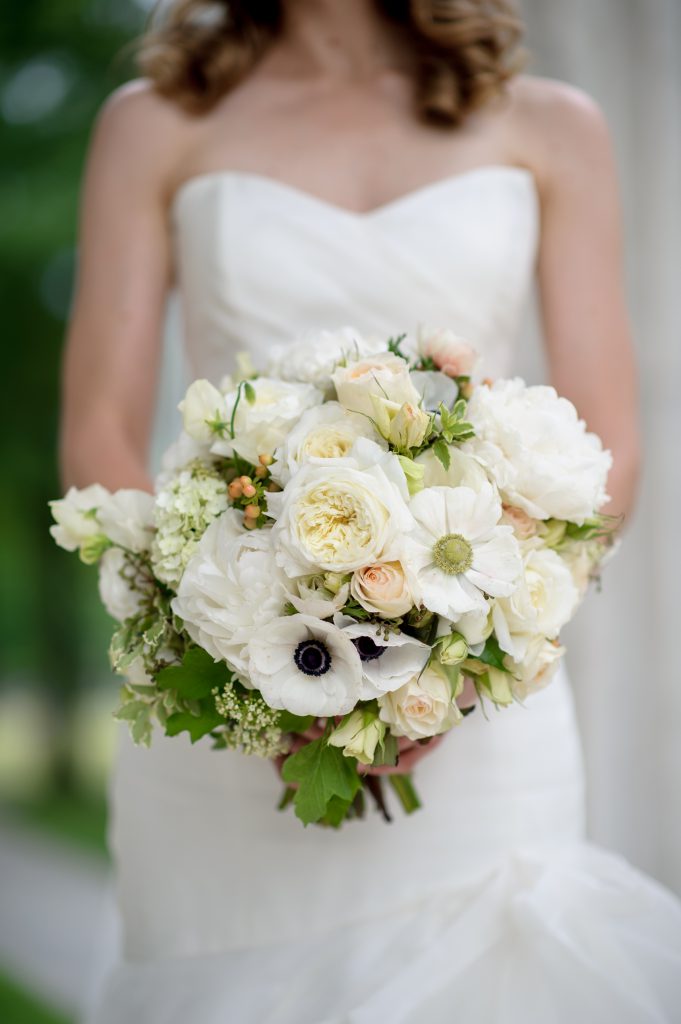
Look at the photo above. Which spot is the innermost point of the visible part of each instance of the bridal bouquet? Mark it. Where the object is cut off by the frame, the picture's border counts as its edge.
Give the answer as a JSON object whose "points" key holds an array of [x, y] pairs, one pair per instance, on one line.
{"points": [[339, 552]]}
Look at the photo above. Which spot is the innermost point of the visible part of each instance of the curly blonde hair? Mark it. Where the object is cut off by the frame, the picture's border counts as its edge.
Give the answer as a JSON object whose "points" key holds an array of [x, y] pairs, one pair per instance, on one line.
{"points": [[197, 50]]}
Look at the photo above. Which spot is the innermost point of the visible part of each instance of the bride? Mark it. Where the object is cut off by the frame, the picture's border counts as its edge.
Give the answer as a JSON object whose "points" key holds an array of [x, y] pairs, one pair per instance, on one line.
{"points": [[294, 165]]}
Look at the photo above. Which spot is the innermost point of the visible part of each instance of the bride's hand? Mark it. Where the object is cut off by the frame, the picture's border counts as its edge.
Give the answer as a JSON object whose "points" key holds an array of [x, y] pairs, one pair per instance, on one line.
{"points": [[410, 752]]}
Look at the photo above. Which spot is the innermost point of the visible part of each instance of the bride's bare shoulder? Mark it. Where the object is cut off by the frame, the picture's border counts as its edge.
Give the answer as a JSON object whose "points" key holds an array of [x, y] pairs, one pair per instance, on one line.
{"points": [[141, 129], [558, 125]]}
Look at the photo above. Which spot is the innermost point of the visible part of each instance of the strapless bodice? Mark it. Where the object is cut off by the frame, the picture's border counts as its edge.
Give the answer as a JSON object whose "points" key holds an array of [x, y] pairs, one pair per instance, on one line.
{"points": [[260, 262]]}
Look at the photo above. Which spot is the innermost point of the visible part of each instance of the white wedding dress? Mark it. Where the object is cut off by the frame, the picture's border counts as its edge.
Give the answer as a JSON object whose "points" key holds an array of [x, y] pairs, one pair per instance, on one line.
{"points": [[488, 906]]}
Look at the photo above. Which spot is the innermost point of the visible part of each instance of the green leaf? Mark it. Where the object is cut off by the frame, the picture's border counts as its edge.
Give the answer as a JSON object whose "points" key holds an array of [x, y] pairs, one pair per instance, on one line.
{"points": [[289, 722], [336, 811], [196, 676], [322, 772], [249, 392], [441, 450], [130, 710], [493, 655], [386, 753], [196, 725]]}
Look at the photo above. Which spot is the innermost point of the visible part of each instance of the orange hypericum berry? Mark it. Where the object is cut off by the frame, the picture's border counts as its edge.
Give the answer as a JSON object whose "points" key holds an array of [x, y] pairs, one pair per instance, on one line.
{"points": [[249, 491], [252, 511], [249, 523], [235, 490], [245, 481], [260, 472], [265, 460]]}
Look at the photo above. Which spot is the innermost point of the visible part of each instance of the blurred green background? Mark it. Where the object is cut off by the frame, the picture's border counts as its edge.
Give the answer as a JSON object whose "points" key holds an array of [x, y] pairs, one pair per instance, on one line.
{"points": [[59, 60]]}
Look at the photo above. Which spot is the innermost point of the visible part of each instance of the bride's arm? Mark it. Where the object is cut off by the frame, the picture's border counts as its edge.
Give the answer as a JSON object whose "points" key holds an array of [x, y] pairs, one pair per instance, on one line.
{"points": [[586, 325], [112, 353]]}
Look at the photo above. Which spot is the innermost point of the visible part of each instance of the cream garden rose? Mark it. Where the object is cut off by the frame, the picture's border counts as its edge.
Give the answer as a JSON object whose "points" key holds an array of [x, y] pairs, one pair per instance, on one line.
{"points": [[324, 432], [382, 589], [421, 708]]}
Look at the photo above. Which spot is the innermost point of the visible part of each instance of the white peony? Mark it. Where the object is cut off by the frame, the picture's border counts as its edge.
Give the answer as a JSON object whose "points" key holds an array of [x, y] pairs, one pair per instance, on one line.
{"points": [[203, 409], [543, 603], [127, 519], [537, 668], [324, 432], [389, 658], [76, 516], [262, 427], [230, 590], [343, 516], [421, 708], [538, 450], [314, 357], [383, 589], [382, 377], [458, 551], [463, 471], [117, 596], [305, 665]]}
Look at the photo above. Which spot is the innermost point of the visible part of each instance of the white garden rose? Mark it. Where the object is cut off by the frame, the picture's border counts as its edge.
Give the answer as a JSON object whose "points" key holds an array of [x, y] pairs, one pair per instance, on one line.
{"points": [[306, 666], [342, 517], [383, 589], [127, 519], [313, 357], [453, 355], [116, 594], [458, 551], [537, 668], [77, 516], [262, 426], [203, 409], [463, 471], [389, 658], [230, 590], [538, 451], [382, 377], [324, 432], [421, 708], [543, 603]]}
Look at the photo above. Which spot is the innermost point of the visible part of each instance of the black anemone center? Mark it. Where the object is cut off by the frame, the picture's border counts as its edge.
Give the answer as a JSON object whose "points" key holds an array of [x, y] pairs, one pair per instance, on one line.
{"points": [[312, 657], [367, 649]]}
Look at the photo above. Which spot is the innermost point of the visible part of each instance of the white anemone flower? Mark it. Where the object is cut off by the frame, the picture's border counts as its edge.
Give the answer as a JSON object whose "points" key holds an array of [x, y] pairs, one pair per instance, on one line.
{"points": [[306, 666], [459, 552], [389, 659]]}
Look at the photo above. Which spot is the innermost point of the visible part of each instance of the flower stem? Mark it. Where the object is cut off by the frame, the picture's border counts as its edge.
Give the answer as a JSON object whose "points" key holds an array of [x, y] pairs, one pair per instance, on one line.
{"points": [[404, 788], [286, 798]]}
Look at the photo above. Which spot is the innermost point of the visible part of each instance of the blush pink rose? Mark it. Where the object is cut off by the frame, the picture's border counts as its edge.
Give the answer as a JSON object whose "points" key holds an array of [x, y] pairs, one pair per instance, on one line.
{"points": [[451, 354]]}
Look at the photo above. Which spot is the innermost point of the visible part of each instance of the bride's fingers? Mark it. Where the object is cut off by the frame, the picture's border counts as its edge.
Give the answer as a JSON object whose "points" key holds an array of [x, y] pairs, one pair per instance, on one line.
{"points": [[407, 760]]}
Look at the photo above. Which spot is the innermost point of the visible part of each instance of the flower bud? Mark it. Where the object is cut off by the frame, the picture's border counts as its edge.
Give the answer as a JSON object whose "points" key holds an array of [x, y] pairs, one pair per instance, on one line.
{"points": [[452, 649], [359, 734], [409, 426], [92, 548], [552, 531]]}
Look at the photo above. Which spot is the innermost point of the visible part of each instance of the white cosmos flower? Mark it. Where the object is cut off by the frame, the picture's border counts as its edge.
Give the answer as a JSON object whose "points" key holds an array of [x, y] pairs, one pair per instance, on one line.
{"points": [[127, 519], [305, 665], [313, 357], [538, 450], [389, 659], [343, 516], [458, 551], [423, 707], [76, 516], [543, 603], [324, 432], [117, 596], [261, 427], [230, 589]]}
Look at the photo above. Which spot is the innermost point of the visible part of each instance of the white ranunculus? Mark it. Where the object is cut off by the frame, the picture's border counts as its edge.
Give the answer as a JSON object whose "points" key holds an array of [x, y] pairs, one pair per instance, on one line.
{"points": [[230, 590], [342, 517], [383, 589], [538, 450], [543, 603], [383, 377], [324, 432], [458, 552], [117, 596], [452, 354], [127, 519], [389, 659], [262, 427], [202, 407], [421, 708], [464, 470], [76, 516], [313, 357], [538, 666], [306, 666]]}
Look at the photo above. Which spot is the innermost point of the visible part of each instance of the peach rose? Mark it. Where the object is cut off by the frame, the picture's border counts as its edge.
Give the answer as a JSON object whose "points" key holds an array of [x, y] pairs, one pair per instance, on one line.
{"points": [[524, 526], [382, 589]]}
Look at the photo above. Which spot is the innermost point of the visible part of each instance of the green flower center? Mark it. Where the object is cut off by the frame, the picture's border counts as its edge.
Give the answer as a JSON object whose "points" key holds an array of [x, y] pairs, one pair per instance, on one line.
{"points": [[453, 554]]}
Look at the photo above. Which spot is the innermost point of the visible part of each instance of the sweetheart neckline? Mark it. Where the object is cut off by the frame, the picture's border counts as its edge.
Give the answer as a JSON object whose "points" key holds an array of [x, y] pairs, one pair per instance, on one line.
{"points": [[460, 177]]}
